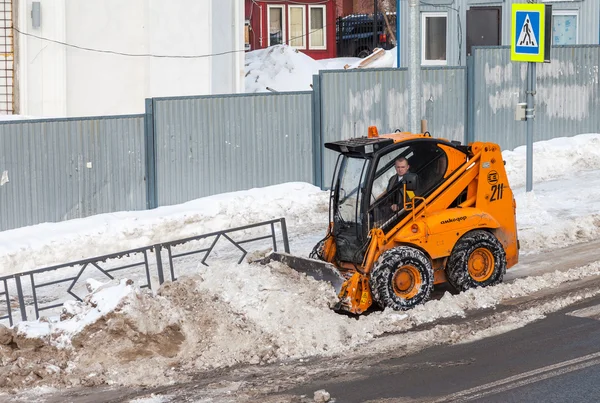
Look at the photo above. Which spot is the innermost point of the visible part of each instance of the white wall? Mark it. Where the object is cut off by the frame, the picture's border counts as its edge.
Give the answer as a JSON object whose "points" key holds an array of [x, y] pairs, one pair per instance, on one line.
{"points": [[57, 80]]}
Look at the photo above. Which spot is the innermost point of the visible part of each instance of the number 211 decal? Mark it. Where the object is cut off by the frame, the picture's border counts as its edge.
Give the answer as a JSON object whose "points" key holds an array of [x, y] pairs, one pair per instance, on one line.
{"points": [[497, 191]]}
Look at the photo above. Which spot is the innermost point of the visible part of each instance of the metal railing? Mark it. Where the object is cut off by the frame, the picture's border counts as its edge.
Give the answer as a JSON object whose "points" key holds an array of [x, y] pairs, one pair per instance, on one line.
{"points": [[6, 296], [14, 285], [169, 246]]}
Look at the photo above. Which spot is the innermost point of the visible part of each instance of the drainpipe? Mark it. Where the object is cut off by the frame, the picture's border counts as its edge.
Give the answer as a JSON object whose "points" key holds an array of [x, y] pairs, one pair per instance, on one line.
{"points": [[414, 67], [398, 33]]}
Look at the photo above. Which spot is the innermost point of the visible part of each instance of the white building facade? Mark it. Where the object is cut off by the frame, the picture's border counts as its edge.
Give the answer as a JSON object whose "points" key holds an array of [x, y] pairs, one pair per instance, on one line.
{"points": [[104, 57]]}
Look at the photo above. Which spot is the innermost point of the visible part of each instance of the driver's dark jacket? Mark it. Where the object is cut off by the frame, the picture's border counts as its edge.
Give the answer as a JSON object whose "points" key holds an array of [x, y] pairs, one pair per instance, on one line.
{"points": [[395, 186]]}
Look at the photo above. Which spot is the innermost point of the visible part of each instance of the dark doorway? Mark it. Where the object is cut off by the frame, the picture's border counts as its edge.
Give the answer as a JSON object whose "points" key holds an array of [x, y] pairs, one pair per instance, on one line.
{"points": [[483, 27]]}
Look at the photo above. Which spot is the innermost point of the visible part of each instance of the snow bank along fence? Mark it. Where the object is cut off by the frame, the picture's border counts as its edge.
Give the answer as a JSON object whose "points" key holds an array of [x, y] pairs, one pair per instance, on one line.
{"points": [[49, 287], [184, 148]]}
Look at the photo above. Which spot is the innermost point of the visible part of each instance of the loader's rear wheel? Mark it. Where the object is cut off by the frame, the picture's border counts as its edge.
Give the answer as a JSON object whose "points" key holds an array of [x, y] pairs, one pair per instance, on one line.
{"points": [[401, 278], [477, 260]]}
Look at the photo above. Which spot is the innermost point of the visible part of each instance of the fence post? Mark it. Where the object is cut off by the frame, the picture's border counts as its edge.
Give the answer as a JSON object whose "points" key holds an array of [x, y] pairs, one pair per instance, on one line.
{"points": [[159, 265], [284, 235], [470, 90], [21, 299], [150, 147], [316, 133]]}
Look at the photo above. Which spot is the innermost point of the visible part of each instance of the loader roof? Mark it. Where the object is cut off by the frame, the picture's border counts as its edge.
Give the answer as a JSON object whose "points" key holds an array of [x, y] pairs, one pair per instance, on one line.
{"points": [[359, 146], [365, 146]]}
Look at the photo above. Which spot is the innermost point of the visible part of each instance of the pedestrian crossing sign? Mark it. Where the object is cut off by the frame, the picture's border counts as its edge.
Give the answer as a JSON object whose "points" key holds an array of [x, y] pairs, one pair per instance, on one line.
{"points": [[528, 33]]}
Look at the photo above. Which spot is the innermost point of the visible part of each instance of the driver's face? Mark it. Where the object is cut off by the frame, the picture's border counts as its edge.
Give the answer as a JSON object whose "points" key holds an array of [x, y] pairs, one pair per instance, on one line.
{"points": [[401, 167]]}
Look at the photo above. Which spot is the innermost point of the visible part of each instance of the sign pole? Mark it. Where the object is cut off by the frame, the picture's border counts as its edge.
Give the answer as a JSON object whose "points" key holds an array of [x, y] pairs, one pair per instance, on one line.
{"points": [[531, 40], [530, 116]]}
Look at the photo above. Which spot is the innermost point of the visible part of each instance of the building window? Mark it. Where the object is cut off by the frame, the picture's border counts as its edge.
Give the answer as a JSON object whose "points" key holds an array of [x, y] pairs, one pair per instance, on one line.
{"points": [[276, 25], [316, 23], [433, 38], [564, 28], [297, 27]]}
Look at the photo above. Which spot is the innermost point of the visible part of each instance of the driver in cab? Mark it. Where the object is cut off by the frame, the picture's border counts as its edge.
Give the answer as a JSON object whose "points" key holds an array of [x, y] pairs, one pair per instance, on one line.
{"points": [[395, 183]]}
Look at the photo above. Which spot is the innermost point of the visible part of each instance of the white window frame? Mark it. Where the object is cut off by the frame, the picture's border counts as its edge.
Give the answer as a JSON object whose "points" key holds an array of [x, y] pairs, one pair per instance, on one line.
{"points": [[424, 16], [568, 12], [289, 41], [283, 25], [310, 45]]}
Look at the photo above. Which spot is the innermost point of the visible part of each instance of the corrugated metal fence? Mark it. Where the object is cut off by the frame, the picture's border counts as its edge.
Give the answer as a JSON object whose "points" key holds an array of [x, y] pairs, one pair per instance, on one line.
{"points": [[215, 144], [189, 147], [58, 169], [351, 101], [567, 99]]}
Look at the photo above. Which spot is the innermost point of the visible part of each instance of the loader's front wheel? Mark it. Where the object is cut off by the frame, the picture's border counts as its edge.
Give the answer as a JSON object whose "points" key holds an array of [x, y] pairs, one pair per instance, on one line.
{"points": [[477, 260], [401, 278]]}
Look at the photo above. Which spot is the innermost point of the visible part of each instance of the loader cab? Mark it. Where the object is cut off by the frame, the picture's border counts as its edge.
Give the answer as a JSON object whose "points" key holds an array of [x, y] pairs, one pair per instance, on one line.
{"points": [[364, 190]]}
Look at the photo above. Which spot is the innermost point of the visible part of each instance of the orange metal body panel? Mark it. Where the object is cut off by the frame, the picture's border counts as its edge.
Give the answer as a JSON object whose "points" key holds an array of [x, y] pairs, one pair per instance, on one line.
{"points": [[489, 204]]}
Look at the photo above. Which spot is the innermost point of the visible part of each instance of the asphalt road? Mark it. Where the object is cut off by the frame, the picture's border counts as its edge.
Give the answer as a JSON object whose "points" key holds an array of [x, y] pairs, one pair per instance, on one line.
{"points": [[556, 359]]}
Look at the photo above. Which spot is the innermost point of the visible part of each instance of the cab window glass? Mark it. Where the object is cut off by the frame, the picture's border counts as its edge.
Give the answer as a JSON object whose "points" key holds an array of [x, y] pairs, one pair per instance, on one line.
{"points": [[385, 170], [425, 159], [429, 163]]}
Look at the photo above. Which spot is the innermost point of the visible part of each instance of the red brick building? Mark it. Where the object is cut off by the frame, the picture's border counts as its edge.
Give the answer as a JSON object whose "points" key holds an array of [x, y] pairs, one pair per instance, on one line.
{"points": [[307, 25]]}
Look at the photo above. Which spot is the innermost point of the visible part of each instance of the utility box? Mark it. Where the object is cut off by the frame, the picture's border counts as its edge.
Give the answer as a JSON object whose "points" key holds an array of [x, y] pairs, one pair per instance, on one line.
{"points": [[520, 111]]}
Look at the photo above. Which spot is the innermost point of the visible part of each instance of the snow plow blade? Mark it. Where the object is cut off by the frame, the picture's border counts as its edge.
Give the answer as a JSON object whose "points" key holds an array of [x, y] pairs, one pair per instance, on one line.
{"points": [[317, 269]]}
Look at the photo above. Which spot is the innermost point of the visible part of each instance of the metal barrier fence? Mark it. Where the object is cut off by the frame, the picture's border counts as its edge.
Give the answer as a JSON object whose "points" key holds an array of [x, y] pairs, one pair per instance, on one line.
{"points": [[184, 148], [70, 274], [567, 100], [351, 101], [225, 143], [58, 169]]}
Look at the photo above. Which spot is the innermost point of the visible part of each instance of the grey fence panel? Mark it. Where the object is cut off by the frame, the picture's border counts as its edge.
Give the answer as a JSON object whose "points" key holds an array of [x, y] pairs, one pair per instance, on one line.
{"points": [[215, 144], [351, 101], [445, 101], [58, 169], [568, 93], [567, 98], [499, 85]]}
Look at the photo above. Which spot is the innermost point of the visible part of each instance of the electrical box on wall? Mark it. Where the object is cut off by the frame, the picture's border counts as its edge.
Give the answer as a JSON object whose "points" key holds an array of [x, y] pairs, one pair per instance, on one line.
{"points": [[520, 111]]}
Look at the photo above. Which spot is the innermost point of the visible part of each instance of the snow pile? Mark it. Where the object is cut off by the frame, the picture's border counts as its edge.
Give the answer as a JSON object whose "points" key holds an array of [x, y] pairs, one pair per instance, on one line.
{"points": [[102, 300], [303, 205], [547, 220], [227, 315], [555, 158], [281, 68]]}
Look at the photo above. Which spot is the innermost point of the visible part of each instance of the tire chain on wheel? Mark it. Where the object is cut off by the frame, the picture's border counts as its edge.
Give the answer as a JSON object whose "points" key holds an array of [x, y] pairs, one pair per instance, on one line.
{"points": [[317, 252], [457, 270], [380, 281]]}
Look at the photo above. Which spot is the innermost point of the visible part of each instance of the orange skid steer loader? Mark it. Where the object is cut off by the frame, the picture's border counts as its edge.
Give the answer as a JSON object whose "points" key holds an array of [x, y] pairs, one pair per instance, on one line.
{"points": [[451, 218]]}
